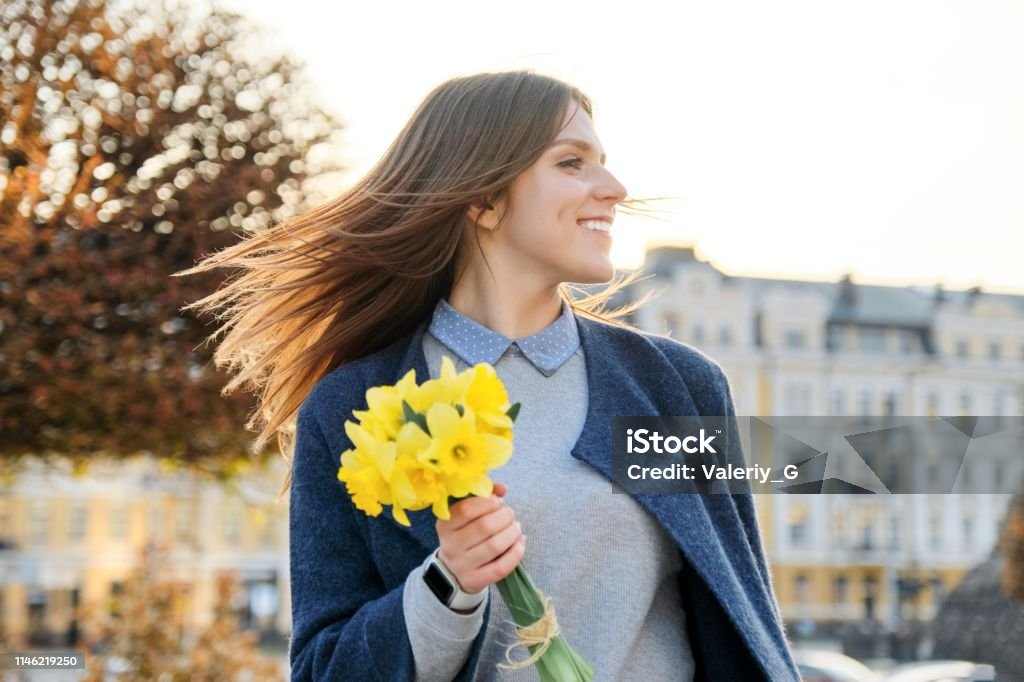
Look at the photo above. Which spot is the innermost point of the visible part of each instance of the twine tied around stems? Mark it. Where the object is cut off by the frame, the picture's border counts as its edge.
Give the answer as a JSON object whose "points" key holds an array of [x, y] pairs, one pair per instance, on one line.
{"points": [[543, 631]]}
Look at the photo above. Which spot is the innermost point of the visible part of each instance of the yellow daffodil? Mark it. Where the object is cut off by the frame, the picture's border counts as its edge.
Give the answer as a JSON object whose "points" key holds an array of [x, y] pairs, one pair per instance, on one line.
{"points": [[461, 453], [415, 485], [417, 446], [384, 417], [364, 482], [449, 388], [487, 398]]}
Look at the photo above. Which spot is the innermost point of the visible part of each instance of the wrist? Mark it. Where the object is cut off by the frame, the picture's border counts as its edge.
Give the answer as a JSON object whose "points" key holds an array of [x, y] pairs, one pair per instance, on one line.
{"points": [[445, 586]]}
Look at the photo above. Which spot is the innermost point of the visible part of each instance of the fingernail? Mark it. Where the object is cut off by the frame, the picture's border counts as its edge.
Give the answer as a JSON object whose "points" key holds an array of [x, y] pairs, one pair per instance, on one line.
{"points": [[519, 527]]}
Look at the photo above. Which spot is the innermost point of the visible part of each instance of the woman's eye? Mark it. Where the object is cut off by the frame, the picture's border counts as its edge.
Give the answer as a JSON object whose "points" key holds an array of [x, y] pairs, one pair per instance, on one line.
{"points": [[570, 163]]}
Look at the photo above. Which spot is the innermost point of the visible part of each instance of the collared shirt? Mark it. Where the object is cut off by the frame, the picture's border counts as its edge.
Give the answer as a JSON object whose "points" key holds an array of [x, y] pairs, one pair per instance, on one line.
{"points": [[547, 350]]}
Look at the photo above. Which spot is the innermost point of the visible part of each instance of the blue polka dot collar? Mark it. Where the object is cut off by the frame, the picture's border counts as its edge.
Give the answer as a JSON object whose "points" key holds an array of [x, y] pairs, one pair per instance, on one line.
{"points": [[548, 349]]}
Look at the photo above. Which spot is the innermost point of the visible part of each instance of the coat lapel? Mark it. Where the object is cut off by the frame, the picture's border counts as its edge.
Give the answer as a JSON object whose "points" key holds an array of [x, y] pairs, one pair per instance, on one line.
{"points": [[686, 517]]}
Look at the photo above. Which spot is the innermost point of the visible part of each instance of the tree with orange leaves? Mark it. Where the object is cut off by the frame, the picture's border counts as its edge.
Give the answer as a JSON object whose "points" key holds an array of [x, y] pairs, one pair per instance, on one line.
{"points": [[133, 141]]}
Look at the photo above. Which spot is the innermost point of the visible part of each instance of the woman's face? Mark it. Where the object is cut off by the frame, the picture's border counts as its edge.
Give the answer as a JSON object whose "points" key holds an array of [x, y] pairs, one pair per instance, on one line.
{"points": [[543, 235]]}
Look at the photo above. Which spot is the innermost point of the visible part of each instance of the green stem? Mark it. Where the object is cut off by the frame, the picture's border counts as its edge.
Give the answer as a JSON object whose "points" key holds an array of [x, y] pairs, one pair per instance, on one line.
{"points": [[560, 662]]}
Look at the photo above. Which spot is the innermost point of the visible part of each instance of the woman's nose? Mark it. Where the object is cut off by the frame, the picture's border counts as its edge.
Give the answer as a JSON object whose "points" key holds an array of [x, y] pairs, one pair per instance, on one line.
{"points": [[611, 188]]}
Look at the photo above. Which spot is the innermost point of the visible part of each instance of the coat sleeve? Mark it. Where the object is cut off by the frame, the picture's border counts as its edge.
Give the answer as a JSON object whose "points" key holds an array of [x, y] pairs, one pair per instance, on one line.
{"points": [[346, 623], [744, 500]]}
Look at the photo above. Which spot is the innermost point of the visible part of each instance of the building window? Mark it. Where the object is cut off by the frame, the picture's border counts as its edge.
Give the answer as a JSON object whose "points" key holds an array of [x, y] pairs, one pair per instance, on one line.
{"points": [[965, 403], [999, 403], [838, 530], [865, 403], [961, 348], [867, 534], [894, 532], [838, 402], [725, 336], [840, 589], [908, 341], [698, 334], [890, 403], [968, 532], [872, 340], [795, 339], [934, 531], [78, 521], [932, 408], [38, 524], [994, 350], [798, 524], [800, 587], [117, 517], [870, 596], [183, 522], [834, 340], [232, 524]]}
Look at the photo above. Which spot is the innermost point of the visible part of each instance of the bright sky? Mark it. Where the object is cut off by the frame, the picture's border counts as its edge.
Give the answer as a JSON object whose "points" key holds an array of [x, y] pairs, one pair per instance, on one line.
{"points": [[802, 139]]}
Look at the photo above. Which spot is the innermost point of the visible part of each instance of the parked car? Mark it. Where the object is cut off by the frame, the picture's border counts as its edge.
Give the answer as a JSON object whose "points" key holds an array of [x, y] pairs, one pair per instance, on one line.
{"points": [[830, 666], [941, 671]]}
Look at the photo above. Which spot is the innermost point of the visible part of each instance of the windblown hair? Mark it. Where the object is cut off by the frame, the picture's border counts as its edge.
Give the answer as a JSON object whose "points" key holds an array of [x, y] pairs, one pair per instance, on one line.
{"points": [[351, 276]]}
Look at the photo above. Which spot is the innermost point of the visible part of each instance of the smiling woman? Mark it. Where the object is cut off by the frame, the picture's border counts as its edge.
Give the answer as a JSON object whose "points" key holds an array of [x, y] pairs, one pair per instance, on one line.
{"points": [[464, 242]]}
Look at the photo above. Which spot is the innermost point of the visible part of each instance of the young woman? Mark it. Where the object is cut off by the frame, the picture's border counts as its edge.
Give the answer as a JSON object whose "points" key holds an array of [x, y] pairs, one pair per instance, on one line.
{"points": [[460, 243]]}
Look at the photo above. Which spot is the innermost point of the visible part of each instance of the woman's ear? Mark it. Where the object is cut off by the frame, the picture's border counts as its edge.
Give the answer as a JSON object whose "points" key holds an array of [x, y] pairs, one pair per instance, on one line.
{"points": [[483, 214]]}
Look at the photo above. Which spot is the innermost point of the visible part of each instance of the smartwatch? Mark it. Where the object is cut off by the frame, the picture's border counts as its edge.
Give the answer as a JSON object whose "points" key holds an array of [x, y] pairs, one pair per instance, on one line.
{"points": [[445, 587]]}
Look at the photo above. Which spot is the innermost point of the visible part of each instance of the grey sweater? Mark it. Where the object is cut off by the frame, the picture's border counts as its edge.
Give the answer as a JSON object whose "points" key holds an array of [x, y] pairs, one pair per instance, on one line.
{"points": [[612, 573]]}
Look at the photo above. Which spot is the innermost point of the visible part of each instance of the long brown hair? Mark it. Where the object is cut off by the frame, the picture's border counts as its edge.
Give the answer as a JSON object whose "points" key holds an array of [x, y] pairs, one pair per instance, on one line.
{"points": [[351, 276]]}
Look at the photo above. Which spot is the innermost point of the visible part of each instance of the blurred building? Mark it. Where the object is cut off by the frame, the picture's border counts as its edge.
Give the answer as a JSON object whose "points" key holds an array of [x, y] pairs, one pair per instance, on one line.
{"points": [[67, 541], [800, 348], [789, 347]]}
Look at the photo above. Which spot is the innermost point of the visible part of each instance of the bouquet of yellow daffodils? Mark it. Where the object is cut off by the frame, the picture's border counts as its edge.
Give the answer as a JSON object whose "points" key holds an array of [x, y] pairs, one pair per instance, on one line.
{"points": [[422, 445]]}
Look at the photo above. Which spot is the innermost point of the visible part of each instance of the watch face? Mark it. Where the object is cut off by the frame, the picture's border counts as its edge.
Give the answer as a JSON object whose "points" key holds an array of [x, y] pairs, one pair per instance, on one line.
{"points": [[438, 583]]}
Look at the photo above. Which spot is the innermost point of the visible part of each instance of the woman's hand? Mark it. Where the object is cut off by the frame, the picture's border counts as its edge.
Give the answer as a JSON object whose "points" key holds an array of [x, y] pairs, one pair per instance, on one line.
{"points": [[482, 542]]}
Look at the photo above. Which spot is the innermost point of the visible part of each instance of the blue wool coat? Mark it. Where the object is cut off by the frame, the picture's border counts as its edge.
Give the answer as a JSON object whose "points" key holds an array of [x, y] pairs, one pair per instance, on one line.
{"points": [[348, 570]]}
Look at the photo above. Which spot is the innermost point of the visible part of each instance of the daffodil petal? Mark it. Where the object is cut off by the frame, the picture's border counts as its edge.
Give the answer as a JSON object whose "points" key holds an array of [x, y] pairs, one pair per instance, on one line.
{"points": [[442, 420], [482, 487], [399, 515], [440, 508]]}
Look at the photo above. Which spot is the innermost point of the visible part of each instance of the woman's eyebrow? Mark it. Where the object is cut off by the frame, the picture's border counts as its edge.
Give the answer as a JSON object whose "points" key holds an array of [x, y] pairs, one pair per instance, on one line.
{"points": [[581, 144]]}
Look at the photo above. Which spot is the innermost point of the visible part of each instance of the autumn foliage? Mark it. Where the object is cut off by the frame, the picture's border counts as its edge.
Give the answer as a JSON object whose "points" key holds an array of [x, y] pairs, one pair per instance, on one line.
{"points": [[1011, 545], [133, 141]]}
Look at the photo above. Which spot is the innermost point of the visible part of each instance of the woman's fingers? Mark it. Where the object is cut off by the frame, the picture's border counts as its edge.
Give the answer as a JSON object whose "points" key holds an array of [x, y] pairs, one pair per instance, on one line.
{"points": [[469, 509], [504, 564], [482, 542], [494, 545]]}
